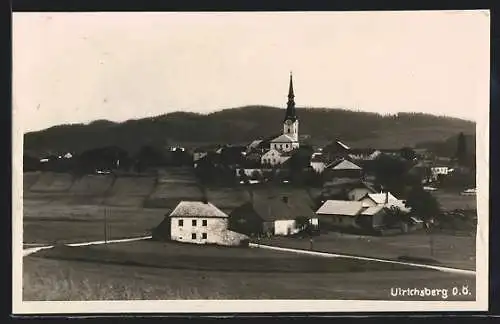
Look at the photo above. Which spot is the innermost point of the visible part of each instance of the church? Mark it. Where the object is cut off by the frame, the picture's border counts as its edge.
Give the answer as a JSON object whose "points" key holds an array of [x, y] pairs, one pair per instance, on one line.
{"points": [[281, 147]]}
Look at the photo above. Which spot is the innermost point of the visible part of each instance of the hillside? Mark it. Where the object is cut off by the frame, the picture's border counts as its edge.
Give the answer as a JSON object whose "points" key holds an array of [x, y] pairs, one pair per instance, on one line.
{"points": [[242, 125]]}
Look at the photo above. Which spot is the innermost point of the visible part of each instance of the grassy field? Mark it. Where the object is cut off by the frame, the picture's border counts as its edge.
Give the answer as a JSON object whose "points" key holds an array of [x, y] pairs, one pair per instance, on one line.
{"points": [[52, 182], [94, 185], [59, 223], [130, 191], [211, 258], [48, 279], [168, 194], [448, 250], [72, 210], [453, 200], [227, 198]]}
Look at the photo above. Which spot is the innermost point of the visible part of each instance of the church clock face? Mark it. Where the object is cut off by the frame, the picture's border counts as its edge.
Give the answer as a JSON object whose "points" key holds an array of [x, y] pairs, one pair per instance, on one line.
{"points": [[288, 122]]}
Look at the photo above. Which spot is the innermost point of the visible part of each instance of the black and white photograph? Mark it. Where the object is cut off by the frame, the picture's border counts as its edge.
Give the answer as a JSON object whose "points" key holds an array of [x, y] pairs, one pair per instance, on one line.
{"points": [[250, 161]]}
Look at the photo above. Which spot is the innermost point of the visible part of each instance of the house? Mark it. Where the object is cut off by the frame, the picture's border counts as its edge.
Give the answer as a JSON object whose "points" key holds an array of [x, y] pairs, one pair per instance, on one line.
{"points": [[254, 145], [209, 160], [275, 157], [336, 150], [372, 217], [344, 169], [318, 162], [357, 215], [199, 153], [273, 215], [440, 169], [200, 222], [346, 189], [383, 199], [339, 213], [284, 143], [260, 146]]}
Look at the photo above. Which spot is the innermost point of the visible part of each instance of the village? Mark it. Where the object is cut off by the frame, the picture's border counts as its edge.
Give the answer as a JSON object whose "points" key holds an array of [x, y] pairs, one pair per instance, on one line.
{"points": [[278, 192], [350, 188], [249, 161]]}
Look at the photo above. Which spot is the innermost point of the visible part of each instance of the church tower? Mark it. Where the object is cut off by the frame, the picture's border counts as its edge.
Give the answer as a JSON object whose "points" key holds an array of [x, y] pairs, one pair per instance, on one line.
{"points": [[291, 122]]}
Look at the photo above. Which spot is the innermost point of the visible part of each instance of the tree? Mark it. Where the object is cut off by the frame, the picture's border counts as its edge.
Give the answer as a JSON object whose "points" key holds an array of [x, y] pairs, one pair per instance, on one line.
{"points": [[302, 222], [426, 206], [390, 172], [408, 153]]}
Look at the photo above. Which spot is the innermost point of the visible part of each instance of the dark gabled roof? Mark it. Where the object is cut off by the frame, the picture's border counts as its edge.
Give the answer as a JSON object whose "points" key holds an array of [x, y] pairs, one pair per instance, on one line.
{"points": [[274, 208], [366, 151], [336, 146]]}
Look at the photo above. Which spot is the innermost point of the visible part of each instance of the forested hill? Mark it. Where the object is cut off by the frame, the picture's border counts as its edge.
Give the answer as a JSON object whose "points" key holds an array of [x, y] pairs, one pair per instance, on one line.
{"points": [[242, 125]]}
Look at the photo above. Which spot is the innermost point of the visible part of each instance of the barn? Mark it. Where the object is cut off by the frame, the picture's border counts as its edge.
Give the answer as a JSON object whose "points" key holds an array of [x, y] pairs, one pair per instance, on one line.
{"points": [[339, 213], [271, 216]]}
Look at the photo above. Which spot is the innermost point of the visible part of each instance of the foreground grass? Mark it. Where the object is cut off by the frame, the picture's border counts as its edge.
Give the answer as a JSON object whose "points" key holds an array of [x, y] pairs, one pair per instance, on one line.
{"points": [[212, 258], [448, 250], [59, 280]]}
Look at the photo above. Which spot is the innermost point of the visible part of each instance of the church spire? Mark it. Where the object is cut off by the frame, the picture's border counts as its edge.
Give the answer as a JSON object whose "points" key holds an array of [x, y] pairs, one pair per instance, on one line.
{"points": [[290, 106]]}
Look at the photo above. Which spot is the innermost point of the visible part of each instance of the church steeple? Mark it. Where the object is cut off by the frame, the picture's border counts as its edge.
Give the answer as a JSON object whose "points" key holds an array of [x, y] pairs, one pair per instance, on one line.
{"points": [[290, 106]]}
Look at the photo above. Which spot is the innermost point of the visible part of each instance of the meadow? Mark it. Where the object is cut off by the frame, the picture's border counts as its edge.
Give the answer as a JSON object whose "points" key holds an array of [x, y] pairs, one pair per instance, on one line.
{"points": [[61, 280], [60, 208]]}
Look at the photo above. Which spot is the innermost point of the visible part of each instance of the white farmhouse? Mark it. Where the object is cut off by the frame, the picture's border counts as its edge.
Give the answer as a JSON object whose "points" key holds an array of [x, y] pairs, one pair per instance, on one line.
{"points": [[202, 223]]}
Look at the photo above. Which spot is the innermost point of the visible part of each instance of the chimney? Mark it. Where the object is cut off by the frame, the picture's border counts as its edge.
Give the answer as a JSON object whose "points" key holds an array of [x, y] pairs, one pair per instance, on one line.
{"points": [[387, 197]]}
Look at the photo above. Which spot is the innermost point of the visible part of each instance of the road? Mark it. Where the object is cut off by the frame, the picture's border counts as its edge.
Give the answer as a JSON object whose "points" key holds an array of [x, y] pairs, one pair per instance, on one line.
{"points": [[355, 257]]}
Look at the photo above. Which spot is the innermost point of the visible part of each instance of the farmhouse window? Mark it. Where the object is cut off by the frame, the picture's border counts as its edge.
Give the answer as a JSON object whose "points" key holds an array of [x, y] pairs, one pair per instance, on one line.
{"points": [[204, 236], [193, 236], [204, 222], [181, 222], [194, 222]]}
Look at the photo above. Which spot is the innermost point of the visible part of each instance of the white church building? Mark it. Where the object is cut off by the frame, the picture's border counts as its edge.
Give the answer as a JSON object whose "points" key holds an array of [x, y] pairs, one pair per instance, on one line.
{"points": [[281, 146]]}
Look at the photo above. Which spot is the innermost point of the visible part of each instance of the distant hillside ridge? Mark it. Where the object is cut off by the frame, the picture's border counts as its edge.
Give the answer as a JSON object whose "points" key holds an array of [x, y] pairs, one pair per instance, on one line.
{"points": [[244, 124]]}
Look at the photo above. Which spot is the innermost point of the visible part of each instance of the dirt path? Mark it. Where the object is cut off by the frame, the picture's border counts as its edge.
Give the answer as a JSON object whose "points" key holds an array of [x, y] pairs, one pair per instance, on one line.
{"points": [[32, 250]]}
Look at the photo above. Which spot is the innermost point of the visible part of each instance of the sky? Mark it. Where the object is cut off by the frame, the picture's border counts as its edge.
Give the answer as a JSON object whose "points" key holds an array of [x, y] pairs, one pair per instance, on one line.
{"points": [[79, 67]]}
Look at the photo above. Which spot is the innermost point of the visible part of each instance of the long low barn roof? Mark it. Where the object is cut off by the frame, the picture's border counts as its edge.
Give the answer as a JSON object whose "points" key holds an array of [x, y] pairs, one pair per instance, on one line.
{"points": [[340, 207]]}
